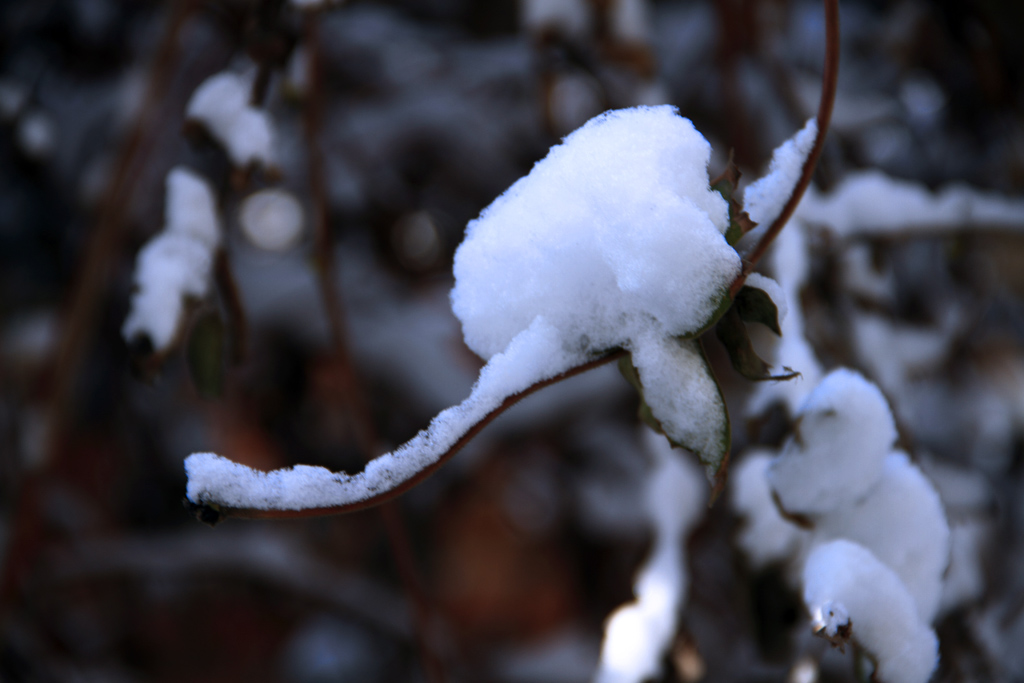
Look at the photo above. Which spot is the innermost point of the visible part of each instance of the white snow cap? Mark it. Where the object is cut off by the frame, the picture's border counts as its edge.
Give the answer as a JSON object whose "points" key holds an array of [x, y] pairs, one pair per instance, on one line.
{"points": [[221, 104], [843, 435], [176, 262], [638, 633], [271, 219], [616, 232], [842, 576], [764, 198]]}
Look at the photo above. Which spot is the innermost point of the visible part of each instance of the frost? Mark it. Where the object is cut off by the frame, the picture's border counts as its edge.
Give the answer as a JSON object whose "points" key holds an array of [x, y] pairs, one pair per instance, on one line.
{"points": [[764, 199], [177, 262], [842, 576], [222, 105], [844, 433], [271, 219], [638, 634]]}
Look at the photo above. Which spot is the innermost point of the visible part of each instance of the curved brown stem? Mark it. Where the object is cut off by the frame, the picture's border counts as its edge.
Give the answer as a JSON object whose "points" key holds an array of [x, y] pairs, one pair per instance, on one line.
{"points": [[829, 79]]}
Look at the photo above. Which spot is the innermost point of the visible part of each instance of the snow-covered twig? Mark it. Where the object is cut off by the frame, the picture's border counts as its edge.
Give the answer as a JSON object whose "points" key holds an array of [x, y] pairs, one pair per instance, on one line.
{"points": [[544, 339]]}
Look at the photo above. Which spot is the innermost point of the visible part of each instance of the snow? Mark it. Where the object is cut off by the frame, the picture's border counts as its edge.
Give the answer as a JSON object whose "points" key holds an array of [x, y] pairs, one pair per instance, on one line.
{"points": [[613, 240], [765, 535], [638, 633], [901, 521], [682, 393], [222, 105], [614, 233], [176, 263], [532, 357], [764, 199], [874, 204], [844, 433], [788, 261], [271, 219], [842, 576], [909, 349]]}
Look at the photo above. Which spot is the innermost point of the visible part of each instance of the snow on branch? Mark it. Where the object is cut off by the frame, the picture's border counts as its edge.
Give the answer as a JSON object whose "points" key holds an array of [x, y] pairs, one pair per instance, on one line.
{"points": [[222, 105], [877, 542], [765, 198], [872, 204], [613, 241], [638, 633], [176, 263], [846, 586]]}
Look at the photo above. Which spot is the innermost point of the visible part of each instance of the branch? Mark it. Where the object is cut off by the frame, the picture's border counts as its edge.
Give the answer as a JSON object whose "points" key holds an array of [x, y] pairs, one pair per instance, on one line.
{"points": [[211, 511]]}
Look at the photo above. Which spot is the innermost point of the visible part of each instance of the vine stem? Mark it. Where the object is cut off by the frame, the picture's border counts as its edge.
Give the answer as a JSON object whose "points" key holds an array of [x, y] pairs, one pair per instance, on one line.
{"points": [[824, 117], [829, 81]]}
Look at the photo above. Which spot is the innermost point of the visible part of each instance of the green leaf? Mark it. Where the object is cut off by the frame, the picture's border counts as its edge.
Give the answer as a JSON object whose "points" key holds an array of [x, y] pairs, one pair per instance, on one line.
{"points": [[680, 398], [732, 332], [205, 354], [755, 306]]}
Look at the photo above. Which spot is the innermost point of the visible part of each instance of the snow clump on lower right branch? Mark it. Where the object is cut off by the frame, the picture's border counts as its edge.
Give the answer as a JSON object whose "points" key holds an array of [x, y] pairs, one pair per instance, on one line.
{"points": [[176, 263], [876, 540]]}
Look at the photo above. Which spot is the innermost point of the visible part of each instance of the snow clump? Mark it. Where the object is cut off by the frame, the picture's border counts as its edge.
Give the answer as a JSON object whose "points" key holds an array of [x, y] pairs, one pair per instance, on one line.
{"points": [[845, 579], [613, 235], [845, 431], [877, 543], [222, 105], [176, 262]]}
